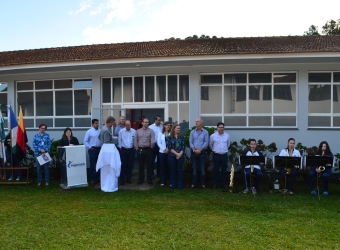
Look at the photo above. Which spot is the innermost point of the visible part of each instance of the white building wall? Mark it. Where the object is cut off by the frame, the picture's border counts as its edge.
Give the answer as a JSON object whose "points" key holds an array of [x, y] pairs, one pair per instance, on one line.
{"points": [[308, 137]]}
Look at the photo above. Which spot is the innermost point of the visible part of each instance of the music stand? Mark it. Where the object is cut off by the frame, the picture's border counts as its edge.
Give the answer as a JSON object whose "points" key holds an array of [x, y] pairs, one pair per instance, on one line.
{"points": [[252, 160], [326, 161], [284, 162]]}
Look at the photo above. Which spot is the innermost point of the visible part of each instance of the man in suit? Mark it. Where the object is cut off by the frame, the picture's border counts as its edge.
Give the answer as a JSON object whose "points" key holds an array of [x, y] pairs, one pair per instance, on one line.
{"points": [[105, 135]]}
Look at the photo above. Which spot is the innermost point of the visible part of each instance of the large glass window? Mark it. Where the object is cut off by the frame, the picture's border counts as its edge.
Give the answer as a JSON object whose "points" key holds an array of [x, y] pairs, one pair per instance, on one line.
{"points": [[250, 99], [58, 103], [172, 90], [323, 101]]}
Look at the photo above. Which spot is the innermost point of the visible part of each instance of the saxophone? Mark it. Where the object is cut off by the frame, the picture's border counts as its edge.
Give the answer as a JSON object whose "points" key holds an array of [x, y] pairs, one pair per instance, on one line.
{"points": [[252, 166], [289, 170], [321, 168], [231, 184]]}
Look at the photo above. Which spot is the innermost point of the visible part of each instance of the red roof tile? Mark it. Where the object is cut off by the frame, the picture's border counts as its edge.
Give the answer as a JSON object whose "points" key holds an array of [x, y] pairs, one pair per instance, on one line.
{"points": [[197, 47]]}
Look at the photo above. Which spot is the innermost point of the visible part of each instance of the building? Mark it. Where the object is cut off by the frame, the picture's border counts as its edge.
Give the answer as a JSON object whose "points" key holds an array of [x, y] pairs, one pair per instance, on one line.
{"points": [[269, 88]]}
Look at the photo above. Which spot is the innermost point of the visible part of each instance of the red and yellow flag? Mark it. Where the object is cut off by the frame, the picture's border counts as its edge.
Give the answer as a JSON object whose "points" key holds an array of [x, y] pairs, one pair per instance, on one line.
{"points": [[21, 138]]}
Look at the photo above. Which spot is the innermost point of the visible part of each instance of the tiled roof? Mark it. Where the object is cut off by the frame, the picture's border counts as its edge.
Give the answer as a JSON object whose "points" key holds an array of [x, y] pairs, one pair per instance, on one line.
{"points": [[196, 47]]}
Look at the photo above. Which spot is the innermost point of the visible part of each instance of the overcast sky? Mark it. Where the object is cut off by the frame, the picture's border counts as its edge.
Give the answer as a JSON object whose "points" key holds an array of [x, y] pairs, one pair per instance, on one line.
{"points": [[32, 24]]}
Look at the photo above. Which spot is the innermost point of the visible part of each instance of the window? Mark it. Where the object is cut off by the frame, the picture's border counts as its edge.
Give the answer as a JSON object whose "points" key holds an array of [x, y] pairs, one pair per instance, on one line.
{"points": [[58, 103], [172, 90], [323, 104], [265, 99]]}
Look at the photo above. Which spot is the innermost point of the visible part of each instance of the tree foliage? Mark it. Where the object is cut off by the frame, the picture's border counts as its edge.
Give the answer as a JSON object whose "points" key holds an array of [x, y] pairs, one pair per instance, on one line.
{"points": [[191, 38], [331, 27], [312, 31]]}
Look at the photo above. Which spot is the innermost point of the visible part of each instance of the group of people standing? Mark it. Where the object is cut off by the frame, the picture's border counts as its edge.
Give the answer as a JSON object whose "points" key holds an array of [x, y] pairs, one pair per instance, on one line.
{"points": [[162, 147]]}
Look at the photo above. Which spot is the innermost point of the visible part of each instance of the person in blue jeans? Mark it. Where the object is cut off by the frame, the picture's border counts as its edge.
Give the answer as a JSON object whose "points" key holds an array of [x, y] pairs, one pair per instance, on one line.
{"points": [[163, 151], [42, 144], [176, 147], [323, 150], [198, 140]]}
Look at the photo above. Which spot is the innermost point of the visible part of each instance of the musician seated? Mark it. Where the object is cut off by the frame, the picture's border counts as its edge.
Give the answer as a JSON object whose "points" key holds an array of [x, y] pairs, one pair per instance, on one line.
{"points": [[255, 169], [292, 173], [322, 150]]}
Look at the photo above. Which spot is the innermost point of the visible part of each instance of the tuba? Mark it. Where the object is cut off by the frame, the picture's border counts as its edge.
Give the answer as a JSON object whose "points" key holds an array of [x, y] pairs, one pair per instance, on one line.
{"points": [[321, 168], [231, 184]]}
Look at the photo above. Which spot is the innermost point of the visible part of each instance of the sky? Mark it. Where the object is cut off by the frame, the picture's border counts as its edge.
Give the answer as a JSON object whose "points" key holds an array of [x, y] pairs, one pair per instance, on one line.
{"points": [[34, 24]]}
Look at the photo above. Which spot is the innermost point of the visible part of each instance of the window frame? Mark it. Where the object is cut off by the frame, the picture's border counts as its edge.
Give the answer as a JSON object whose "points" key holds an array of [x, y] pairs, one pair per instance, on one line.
{"points": [[247, 114], [35, 117]]}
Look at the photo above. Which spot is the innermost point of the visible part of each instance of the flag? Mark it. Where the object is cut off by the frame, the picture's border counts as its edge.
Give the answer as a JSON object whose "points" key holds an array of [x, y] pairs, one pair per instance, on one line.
{"points": [[2, 136], [14, 129], [21, 138]]}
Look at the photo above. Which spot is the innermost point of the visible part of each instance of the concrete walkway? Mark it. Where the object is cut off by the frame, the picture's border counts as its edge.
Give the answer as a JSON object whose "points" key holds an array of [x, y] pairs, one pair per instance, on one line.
{"points": [[134, 180]]}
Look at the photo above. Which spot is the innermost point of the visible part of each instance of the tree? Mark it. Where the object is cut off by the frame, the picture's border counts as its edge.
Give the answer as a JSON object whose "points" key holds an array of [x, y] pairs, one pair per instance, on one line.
{"points": [[312, 31], [331, 27]]}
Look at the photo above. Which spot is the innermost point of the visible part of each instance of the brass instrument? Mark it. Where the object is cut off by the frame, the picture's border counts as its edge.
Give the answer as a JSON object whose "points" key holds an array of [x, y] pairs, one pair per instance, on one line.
{"points": [[231, 184], [321, 168], [289, 170], [252, 166]]}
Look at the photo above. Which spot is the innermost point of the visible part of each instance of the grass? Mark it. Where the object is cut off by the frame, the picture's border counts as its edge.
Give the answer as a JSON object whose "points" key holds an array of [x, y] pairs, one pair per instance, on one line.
{"points": [[43, 218]]}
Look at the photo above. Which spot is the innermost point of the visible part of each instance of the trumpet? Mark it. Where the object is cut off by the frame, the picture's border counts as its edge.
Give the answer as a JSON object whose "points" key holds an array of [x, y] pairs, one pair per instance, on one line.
{"points": [[231, 184], [321, 168]]}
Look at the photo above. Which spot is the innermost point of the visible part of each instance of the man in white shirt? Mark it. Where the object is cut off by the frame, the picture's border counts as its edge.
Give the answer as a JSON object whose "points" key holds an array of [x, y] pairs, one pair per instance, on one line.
{"points": [[92, 142], [157, 127], [219, 143], [126, 139]]}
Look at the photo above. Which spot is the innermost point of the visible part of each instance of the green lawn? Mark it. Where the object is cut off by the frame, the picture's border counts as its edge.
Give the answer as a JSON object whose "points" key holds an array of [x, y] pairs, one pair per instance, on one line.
{"points": [[43, 218]]}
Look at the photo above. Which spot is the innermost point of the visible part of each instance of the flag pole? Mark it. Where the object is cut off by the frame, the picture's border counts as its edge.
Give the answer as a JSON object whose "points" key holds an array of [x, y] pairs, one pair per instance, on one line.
{"points": [[10, 136]]}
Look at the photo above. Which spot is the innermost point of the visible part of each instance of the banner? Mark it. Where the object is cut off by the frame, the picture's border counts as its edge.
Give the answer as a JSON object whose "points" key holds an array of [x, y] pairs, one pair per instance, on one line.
{"points": [[76, 166]]}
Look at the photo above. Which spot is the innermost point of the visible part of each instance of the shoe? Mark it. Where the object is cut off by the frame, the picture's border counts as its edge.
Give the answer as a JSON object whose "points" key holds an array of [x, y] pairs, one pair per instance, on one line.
{"points": [[253, 190], [139, 182], [313, 193], [10, 178], [325, 194], [47, 184], [203, 186], [122, 183], [39, 184], [128, 182], [162, 185], [290, 192], [246, 191], [18, 178], [192, 186]]}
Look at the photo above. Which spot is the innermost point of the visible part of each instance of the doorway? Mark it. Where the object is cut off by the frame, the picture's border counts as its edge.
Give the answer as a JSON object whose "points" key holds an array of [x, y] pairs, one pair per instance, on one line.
{"points": [[135, 112]]}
